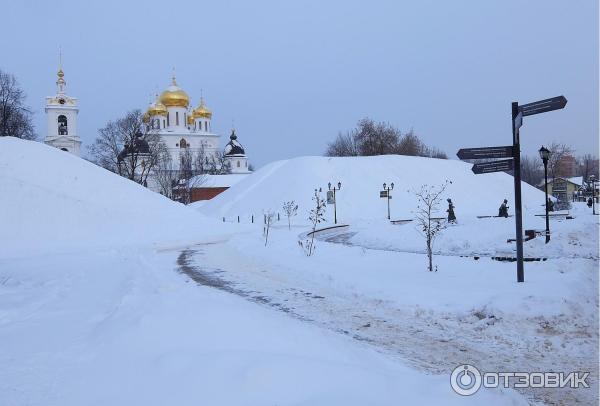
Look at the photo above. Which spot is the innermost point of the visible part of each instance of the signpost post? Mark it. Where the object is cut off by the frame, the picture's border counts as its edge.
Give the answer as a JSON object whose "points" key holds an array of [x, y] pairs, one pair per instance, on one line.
{"points": [[514, 152]]}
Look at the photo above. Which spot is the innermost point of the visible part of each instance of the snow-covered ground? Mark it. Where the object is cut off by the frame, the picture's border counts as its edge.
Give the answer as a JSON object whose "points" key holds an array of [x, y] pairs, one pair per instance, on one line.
{"points": [[110, 294], [369, 280]]}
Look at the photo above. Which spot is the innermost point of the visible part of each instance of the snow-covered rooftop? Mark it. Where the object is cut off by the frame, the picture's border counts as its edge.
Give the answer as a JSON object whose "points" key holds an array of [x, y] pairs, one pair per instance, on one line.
{"points": [[208, 181]]}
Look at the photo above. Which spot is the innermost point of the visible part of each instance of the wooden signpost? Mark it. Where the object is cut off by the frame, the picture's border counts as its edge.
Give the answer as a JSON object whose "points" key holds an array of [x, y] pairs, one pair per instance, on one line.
{"points": [[513, 152]]}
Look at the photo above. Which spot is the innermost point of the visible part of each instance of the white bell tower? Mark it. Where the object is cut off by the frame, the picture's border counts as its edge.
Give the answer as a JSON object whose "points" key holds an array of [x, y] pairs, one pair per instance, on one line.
{"points": [[61, 112]]}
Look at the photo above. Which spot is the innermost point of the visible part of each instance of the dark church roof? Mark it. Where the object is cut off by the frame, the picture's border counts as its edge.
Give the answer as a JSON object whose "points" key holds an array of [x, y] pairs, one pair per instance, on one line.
{"points": [[233, 147], [140, 146]]}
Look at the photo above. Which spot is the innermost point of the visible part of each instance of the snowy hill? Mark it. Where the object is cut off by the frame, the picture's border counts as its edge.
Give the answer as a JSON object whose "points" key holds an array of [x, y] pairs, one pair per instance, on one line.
{"points": [[54, 201], [362, 179], [101, 302]]}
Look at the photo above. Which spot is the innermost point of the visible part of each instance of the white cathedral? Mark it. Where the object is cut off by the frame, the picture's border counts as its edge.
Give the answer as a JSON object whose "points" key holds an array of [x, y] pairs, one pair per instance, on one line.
{"points": [[179, 126]]}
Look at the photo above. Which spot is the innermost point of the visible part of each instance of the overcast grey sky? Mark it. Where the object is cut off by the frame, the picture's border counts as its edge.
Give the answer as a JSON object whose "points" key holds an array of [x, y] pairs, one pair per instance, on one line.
{"points": [[293, 74]]}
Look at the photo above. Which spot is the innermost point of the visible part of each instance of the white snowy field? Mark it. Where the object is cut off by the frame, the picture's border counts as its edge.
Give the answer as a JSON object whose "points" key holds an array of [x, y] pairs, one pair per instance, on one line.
{"points": [[96, 307]]}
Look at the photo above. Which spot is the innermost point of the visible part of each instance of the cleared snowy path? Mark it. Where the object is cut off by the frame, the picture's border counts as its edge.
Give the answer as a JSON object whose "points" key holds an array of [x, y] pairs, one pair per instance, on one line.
{"points": [[435, 342]]}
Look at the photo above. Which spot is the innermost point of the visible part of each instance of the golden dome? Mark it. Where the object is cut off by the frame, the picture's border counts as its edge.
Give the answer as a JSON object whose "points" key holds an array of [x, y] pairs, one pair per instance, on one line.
{"points": [[157, 109], [202, 111], [190, 119], [60, 73], [174, 96]]}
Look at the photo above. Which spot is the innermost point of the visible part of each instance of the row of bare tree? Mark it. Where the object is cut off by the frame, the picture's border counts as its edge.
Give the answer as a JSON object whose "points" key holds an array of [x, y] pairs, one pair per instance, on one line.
{"points": [[371, 138]]}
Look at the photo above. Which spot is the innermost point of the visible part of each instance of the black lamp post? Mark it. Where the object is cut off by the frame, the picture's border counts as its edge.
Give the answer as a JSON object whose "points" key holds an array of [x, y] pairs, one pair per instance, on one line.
{"points": [[545, 155], [387, 189], [339, 186], [593, 181]]}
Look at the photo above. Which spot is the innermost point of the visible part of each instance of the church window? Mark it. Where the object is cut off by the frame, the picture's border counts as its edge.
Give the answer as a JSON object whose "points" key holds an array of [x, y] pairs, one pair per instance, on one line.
{"points": [[176, 118], [62, 125], [206, 126], [164, 125], [238, 164], [183, 143], [168, 120]]}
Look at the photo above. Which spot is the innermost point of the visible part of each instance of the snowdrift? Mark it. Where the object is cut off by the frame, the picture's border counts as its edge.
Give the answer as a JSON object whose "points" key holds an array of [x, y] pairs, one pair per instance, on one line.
{"points": [[362, 179], [53, 201]]}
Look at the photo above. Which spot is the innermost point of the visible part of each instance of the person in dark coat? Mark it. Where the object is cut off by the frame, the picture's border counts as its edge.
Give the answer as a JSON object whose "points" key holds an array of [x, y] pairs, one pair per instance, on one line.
{"points": [[589, 202], [451, 215], [503, 210], [550, 205]]}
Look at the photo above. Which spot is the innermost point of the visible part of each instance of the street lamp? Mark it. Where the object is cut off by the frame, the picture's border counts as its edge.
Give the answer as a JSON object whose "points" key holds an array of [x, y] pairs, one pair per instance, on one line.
{"points": [[387, 189], [339, 186], [545, 155], [593, 181]]}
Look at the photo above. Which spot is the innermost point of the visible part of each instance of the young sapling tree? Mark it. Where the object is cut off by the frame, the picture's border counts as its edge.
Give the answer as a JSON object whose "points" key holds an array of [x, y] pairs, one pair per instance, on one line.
{"points": [[317, 215], [428, 201], [290, 209]]}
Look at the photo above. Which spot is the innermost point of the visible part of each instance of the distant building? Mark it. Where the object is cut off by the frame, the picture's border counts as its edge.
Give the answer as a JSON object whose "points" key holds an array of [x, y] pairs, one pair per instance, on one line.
{"points": [[61, 112], [564, 188], [566, 166], [205, 187]]}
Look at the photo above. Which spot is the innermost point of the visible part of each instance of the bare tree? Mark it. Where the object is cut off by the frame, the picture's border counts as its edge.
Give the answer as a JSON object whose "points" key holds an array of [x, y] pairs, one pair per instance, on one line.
{"points": [[531, 170], [343, 145], [218, 164], [269, 220], [317, 216], [15, 117], [587, 165], [191, 174], [371, 138], [164, 173], [128, 147], [428, 200], [558, 153], [290, 209]]}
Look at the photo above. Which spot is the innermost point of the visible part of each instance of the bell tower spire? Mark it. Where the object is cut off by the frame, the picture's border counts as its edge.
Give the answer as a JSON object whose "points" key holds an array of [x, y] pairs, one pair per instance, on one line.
{"points": [[61, 114], [61, 83]]}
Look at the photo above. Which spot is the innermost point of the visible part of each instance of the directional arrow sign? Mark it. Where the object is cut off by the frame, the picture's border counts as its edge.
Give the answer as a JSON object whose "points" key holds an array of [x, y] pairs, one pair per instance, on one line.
{"points": [[494, 166], [485, 152], [543, 106]]}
